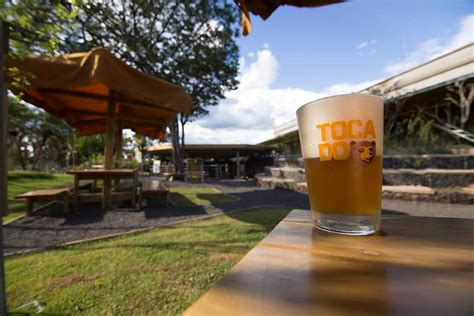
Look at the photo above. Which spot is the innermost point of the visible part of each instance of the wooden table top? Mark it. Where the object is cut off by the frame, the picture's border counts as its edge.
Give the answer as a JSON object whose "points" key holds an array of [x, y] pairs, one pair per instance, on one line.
{"points": [[110, 172], [413, 266]]}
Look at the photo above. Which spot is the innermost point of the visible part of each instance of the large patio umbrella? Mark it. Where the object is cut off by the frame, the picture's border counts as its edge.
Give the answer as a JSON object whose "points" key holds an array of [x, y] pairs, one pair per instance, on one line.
{"points": [[265, 8], [95, 93]]}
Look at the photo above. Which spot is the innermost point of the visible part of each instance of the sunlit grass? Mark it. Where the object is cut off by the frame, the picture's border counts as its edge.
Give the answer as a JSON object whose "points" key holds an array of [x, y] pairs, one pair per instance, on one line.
{"points": [[198, 196], [159, 272]]}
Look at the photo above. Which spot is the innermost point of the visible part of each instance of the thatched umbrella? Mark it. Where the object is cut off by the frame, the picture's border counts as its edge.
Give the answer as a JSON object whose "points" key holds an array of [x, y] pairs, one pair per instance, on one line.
{"points": [[95, 93], [264, 8]]}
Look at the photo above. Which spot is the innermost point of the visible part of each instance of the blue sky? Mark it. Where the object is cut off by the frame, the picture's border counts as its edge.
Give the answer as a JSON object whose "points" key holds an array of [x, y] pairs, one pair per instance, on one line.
{"points": [[299, 55], [318, 47]]}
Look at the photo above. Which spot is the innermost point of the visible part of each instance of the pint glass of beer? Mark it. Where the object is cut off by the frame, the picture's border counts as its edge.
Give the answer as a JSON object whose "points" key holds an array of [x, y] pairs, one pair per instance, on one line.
{"points": [[342, 143]]}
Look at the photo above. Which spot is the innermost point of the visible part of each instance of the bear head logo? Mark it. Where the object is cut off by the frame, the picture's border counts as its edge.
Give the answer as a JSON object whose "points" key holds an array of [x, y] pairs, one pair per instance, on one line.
{"points": [[362, 151]]}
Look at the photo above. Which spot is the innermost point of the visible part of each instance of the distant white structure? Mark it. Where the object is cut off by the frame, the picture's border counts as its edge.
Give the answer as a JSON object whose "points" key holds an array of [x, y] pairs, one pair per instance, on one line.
{"points": [[454, 66]]}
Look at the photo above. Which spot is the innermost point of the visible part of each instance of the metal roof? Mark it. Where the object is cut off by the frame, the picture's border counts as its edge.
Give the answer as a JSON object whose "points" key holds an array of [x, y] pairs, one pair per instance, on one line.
{"points": [[217, 151], [440, 71]]}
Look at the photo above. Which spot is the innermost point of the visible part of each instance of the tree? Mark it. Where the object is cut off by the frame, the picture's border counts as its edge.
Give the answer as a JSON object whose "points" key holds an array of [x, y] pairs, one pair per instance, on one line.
{"points": [[142, 143], [461, 94], [189, 43], [45, 20], [42, 22], [37, 137], [87, 148]]}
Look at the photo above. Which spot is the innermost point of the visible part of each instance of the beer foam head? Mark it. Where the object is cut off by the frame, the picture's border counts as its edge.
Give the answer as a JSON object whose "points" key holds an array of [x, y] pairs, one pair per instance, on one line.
{"points": [[328, 127]]}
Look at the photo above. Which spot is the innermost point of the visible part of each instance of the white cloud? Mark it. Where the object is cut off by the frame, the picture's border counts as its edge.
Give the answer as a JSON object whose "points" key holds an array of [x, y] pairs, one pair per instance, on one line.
{"points": [[248, 114], [365, 44], [434, 47], [362, 45]]}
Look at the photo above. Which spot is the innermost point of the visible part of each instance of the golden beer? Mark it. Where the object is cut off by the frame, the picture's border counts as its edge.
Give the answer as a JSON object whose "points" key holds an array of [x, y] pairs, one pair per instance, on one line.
{"points": [[344, 187], [342, 144]]}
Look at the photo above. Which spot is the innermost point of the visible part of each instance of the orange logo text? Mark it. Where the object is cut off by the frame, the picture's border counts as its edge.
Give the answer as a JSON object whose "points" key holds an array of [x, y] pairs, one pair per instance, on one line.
{"points": [[341, 133]]}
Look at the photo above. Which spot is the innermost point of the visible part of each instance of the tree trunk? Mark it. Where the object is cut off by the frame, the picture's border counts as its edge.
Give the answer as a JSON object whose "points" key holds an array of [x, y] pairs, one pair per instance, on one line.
{"points": [[142, 150], [20, 153], [38, 152], [182, 119], [177, 157]]}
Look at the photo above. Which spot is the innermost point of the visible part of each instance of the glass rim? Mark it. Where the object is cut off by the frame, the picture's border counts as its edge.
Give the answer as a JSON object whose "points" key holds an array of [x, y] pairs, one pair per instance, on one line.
{"points": [[339, 95]]}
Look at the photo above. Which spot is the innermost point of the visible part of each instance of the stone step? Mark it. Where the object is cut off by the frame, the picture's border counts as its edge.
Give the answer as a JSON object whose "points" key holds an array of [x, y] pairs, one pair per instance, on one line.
{"points": [[287, 161], [301, 187], [295, 173], [265, 181], [463, 195], [421, 193], [447, 161], [424, 177], [429, 161], [434, 178]]}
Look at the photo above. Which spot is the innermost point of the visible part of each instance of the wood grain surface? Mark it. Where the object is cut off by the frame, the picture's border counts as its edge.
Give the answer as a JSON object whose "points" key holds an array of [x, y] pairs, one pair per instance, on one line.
{"points": [[413, 266]]}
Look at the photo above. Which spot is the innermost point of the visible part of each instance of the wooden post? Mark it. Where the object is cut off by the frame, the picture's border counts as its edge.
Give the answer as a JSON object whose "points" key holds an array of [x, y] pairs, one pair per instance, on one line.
{"points": [[118, 149], [118, 144], [238, 165], [76, 193], [109, 133], [29, 207], [3, 121], [109, 151], [4, 30], [66, 202]]}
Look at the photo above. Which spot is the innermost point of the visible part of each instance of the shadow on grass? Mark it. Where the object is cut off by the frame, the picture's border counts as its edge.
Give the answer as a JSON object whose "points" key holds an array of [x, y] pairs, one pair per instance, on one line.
{"points": [[202, 199], [179, 199], [262, 216], [43, 231], [216, 198]]}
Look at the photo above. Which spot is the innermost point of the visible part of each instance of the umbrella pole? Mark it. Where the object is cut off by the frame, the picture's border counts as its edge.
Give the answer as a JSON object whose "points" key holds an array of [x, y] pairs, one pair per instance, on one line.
{"points": [[4, 32], [109, 149], [109, 133], [118, 149], [118, 144]]}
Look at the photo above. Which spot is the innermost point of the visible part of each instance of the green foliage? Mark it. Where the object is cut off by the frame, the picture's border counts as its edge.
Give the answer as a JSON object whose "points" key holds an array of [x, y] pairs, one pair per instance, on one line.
{"points": [[414, 134], [42, 24], [45, 20], [90, 148], [130, 164], [36, 138], [190, 43], [161, 272]]}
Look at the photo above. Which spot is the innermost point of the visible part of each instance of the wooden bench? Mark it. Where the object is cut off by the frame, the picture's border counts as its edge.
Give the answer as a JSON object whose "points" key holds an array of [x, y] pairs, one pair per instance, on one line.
{"points": [[174, 176], [153, 188], [59, 194]]}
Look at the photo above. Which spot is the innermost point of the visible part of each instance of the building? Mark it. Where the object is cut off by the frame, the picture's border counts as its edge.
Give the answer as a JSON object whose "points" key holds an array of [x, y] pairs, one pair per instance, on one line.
{"points": [[222, 161], [422, 87]]}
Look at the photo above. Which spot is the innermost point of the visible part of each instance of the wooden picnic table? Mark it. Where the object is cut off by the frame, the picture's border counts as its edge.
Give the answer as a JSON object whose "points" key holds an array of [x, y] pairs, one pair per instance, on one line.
{"points": [[100, 174], [413, 266]]}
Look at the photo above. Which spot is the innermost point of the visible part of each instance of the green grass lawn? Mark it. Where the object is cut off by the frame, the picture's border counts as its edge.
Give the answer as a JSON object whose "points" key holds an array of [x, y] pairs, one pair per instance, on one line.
{"points": [[198, 196], [23, 181], [154, 273]]}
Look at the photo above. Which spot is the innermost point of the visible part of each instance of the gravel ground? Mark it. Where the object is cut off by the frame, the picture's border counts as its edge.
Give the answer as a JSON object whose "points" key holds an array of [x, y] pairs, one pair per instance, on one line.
{"points": [[47, 228]]}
